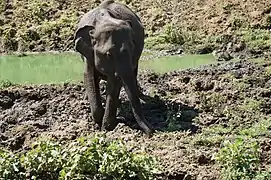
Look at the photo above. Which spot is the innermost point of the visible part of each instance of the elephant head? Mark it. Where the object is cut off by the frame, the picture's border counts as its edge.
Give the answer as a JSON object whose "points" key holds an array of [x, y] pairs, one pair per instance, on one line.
{"points": [[113, 47]]}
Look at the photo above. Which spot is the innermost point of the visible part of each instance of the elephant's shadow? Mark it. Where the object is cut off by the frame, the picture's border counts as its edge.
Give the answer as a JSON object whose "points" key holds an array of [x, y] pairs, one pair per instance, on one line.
{"points": [[162, 115]]}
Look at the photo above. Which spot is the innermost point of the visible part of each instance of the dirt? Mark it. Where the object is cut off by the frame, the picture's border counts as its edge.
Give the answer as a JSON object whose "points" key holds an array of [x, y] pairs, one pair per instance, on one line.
{"points": [[43, 26], [193, 99]]}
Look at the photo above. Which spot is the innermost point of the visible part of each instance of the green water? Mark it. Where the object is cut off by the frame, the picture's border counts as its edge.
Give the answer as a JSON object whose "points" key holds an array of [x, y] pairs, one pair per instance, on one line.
{"points": [[41, 68], [55, 68], [171, 63]]}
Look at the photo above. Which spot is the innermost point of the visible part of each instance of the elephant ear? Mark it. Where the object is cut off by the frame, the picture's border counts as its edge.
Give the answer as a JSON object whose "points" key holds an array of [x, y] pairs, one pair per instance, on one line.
{"points": [[84, 40]]}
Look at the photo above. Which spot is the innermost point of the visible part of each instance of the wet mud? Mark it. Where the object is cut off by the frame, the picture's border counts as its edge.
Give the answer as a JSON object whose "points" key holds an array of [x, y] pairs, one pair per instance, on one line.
{"points": [[179, 105]]}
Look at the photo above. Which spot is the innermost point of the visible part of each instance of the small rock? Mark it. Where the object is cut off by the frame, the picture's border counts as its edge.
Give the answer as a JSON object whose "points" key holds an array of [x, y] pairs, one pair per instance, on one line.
{"points": [[6, 102], [221, 55], [186, 79], [3, 126], [39, 108], [17, 142], [202, 159]]}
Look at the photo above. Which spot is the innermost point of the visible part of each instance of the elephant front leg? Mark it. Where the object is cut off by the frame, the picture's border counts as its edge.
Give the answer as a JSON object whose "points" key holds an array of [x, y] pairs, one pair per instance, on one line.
{"points": [[93, 94], [112, 103]]}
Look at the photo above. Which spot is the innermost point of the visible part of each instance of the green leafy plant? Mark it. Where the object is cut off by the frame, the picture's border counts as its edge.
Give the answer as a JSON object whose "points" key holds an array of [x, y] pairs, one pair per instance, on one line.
{"points": [[173, 119], [240, 160], [250, 105], [10, 166], [44, 160], [5, 83], [256, 38], [108, 159], [87, 158], [173, 34]]}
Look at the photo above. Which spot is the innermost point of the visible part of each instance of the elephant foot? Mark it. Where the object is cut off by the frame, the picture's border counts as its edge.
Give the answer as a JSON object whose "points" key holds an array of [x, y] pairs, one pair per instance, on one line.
{"points": [[149, 132], [109, 125], [97, 116], [99, 123], [147, 129], [121, 119], [142, 101]]}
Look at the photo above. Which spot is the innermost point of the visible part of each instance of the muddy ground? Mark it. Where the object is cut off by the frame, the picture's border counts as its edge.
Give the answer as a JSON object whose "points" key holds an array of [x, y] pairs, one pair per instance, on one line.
{"points": [[180, 105]]}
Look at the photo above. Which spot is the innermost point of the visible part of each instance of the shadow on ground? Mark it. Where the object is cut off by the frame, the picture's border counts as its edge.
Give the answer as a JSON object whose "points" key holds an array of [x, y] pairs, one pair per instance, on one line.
{"points": [[163, 115]]}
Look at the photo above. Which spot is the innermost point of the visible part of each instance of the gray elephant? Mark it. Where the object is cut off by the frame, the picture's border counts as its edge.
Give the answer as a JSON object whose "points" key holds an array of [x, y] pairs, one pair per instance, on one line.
{"points": [[110, 39]]}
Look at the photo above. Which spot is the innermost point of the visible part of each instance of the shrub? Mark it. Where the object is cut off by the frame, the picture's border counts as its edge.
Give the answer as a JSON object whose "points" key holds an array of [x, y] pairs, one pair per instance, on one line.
{"points": [[96, 158], [10, 166], [256, 38], [102, 158], [240, 160], [44, 161], [5, 84]]}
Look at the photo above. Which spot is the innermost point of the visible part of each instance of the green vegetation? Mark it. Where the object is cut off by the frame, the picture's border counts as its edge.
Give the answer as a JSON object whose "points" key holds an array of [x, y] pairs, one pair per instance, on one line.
{"points": [[258, 39], [171, 35], [268, 70], [216, 134], [211, 136], [250, 105], [5, 84], [240, 160], [258, 129], [95, 158], [239, 157], [194, 26], [38, 25]]}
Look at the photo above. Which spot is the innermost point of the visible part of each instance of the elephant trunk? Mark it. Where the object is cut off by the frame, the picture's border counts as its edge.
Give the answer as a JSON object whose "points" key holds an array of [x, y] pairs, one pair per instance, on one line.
{"points": [[129, 82]]}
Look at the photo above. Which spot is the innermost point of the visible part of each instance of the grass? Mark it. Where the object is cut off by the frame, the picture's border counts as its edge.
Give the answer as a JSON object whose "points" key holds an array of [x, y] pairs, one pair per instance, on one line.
{"points": [[256, 38], [241, 160], [66, 67]]}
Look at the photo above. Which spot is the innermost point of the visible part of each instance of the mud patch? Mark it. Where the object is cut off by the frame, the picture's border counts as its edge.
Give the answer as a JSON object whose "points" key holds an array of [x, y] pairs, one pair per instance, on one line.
{"points": [[180, 105]]}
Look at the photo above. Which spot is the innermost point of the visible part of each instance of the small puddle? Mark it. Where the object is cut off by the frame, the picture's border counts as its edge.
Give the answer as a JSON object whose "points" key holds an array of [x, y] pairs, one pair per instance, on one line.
{"points": [[176, 62], [52, 68]]}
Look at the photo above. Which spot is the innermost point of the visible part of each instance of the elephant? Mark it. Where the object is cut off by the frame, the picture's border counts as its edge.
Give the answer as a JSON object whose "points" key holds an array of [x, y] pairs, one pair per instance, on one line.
{"points": [[110, 40]]}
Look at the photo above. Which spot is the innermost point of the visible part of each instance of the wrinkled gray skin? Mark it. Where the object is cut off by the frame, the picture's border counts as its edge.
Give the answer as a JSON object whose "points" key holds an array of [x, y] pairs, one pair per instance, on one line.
{"points": [[110, 39]]}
